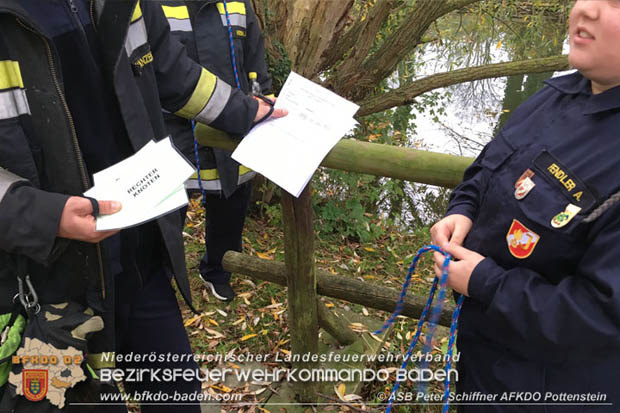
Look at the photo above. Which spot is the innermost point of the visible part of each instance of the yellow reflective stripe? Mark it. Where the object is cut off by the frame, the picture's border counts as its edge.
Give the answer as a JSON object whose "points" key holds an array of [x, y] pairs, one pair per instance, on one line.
{"points": [[176, 12], [213, 174], [201, 95], [233, 7], [10, 75], [207, 175], [137, 12], [270, 96]]}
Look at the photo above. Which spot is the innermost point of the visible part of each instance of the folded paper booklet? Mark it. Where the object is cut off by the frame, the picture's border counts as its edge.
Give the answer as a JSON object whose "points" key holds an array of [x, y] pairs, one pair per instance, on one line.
{"points": [[148, 184], [288, 150]]}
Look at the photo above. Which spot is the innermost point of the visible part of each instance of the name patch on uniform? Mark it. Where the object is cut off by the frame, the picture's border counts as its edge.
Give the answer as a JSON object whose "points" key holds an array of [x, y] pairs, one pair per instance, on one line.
{"points": [[571, 186], [144, 60], [521, 240]]}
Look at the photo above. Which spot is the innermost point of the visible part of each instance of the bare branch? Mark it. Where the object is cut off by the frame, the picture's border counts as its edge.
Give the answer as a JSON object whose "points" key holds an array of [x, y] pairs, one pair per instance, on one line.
{"points": [[359, 84], [405, 94], [359, 38]]}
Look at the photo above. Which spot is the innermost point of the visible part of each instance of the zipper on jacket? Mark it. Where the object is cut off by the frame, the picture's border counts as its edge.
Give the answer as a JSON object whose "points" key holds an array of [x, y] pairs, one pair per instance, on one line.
{"points": [[76, 146], [91, 8]]}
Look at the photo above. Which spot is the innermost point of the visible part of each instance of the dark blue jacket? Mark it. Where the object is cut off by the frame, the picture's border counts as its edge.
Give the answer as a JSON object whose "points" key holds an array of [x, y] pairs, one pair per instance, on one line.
{"points": [[544, 307]]}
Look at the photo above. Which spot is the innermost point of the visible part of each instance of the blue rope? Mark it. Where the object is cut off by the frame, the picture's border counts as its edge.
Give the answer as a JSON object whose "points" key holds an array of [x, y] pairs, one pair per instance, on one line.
{"points": [[202, 190], [234, 65], [435, 314], [232, 46]]}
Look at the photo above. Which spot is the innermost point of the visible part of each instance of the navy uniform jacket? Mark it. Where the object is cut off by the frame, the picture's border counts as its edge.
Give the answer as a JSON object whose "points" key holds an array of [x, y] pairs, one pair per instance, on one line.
{"points": [[544, 307], [202, 27]]}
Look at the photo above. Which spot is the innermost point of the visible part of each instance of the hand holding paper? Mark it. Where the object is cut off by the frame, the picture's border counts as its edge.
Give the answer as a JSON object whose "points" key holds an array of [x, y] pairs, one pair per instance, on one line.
{"points": [[289, 149], [148, 184], [77, 221]]}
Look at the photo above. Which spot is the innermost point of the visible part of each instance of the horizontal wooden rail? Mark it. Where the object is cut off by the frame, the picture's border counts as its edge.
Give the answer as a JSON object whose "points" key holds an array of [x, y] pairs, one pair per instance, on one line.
{"points": [[376, 159], [337, 286]]}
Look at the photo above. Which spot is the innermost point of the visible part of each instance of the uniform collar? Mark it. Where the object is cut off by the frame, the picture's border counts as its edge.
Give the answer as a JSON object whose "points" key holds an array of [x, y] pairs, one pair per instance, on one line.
{"points": [[575, 83]]}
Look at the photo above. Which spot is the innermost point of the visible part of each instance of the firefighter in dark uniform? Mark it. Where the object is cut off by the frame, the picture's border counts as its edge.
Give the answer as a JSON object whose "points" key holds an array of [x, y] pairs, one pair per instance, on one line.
{"points": [[208, 29], [82, 84], [535, 227]]}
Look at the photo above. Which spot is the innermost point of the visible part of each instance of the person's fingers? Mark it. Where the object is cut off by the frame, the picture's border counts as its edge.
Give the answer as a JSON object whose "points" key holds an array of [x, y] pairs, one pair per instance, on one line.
{"points": [[440, 233], [458, 236], [279, 113], [457, 251], [109, 207]]}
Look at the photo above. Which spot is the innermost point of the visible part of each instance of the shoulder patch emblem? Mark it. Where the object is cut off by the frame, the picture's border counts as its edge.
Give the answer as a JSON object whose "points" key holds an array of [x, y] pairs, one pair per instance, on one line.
{"points": [[34, 384], [521, 240]]}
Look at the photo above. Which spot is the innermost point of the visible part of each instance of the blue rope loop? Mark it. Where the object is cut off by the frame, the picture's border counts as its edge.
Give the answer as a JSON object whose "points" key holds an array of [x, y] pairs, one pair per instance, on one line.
{"points": [[234, 65], [435, 313]]}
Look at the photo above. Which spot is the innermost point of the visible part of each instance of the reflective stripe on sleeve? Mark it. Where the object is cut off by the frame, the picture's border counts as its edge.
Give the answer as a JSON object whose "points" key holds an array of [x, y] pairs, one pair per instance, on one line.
{"points": [[216, 104], [178, 18], [13, 103], [180, 25], [136, 36], [208, 99], [6, 180], [211, 179], [234, 7], [10, 75], [235, 20], [236, 13], [137, 12], [175, 12]]}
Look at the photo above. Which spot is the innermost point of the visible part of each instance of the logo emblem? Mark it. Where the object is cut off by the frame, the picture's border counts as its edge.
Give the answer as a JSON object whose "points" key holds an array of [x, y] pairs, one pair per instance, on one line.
{"points": [[34, 384], [565, 217], [521, 240], [524, 184]]}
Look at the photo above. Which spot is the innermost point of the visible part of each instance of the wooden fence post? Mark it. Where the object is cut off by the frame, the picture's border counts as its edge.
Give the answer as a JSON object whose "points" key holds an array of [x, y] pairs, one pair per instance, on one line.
{"points": [[297, 218]]}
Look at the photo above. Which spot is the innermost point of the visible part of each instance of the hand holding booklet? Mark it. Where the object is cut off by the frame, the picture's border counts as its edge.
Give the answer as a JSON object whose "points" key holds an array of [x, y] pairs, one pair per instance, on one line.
{"points": [[148, 184]]}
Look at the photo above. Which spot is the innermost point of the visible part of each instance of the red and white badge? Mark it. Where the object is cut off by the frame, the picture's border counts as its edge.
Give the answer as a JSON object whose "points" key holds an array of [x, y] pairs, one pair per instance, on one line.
{"points": [[524, 184], [521, 240]]}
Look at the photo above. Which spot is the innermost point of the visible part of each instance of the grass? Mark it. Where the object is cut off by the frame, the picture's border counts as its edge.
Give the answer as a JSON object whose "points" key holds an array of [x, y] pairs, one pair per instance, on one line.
{"points": [[256, 321]]}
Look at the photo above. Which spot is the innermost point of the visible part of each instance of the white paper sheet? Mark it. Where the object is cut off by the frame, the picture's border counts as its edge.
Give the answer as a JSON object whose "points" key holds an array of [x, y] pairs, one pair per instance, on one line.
{"points": [[149, 184], [288, 150]]}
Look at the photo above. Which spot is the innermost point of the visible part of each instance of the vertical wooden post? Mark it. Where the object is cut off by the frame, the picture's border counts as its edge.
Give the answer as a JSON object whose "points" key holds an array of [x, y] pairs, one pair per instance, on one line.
{"points": [[297, 217]]}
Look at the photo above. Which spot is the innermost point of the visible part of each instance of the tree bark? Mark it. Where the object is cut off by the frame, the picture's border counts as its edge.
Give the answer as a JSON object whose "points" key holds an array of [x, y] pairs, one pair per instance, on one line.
{"points": [[307, 28], [297, 217], [336, 326], [405, 94], [358, 40]]}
